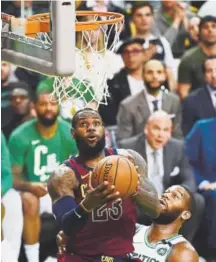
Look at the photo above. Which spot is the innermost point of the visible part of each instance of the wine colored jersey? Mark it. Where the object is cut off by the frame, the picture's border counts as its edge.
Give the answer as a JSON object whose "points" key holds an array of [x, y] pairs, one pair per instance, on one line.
{"points": [[109, 229]]}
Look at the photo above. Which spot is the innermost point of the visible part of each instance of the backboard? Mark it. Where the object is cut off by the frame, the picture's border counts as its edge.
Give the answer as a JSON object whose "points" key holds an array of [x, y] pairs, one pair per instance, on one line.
{"points": [[53, 58]]}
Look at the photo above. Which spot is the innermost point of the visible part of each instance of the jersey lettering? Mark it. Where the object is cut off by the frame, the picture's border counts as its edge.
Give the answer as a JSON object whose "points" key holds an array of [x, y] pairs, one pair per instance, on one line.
{"points": [[40, 152], [105, 213], [144, 258], [107, 259], [83, 189], [38, 169]]}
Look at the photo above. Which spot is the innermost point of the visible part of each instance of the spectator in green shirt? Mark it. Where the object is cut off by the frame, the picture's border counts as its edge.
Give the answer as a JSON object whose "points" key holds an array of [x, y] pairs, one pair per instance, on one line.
{"points": [[37, 147], [190, 72], [11, 203]]}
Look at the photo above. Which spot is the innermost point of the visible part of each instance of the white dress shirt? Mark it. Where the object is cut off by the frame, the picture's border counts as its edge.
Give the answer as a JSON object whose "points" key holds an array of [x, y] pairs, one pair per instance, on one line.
{"points": [[212, 92], [156, 179], [151, 98]]}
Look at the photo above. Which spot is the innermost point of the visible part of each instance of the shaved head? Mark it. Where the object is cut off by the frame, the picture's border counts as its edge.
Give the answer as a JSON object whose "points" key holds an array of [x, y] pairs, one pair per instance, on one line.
{"points": [[153, 63]]}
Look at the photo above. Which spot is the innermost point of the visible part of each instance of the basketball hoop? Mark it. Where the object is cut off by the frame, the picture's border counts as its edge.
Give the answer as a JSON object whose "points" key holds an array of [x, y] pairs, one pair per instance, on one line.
{"points": [[97, 34]]}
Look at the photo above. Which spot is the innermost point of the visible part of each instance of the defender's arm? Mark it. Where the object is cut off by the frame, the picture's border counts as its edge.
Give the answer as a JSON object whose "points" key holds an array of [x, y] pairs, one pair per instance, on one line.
{"points": [[146, 198]]}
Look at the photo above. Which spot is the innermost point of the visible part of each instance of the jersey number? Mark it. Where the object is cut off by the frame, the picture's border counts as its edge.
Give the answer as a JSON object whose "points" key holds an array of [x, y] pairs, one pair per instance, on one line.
{"points": [[105, 213]]}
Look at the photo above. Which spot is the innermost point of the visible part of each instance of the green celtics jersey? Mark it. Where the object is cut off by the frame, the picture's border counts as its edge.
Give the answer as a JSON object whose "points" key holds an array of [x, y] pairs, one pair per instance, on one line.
{"points": [[6, 177], [37, 155], [157, 252]]}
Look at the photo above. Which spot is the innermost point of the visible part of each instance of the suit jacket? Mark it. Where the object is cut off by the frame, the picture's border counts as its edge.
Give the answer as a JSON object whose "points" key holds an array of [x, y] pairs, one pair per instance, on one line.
{"points": [[134, 112], [198, 105], [201, 150], [119, 89], [177, 169]]}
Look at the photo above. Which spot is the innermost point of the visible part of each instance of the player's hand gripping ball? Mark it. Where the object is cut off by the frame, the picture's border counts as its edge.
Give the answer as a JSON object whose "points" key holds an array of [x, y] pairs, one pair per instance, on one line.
{"points": [[118, 171]]}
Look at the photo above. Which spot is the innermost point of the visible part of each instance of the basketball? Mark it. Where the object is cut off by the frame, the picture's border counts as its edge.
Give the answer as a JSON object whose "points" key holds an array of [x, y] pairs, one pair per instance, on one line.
{"points": [[118, 171]]}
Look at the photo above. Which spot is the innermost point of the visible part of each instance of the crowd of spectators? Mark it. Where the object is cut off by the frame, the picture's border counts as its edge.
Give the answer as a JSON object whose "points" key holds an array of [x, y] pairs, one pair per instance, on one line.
{"points": [[162, 103]]}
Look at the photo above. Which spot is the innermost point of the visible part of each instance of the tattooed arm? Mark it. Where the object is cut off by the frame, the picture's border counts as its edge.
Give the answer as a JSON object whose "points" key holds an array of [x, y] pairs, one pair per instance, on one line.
{"points": [[70, 216]]}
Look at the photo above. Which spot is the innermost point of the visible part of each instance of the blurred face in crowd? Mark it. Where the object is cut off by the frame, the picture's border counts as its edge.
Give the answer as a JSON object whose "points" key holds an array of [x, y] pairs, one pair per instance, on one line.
{"points": [[5, 71], [20, 102], [168, 4], [175, 203], [208, 33], [210, 72], [154, 75], [143, 19], [133, 56], [158, 129], [193, 28], [46, 109]]}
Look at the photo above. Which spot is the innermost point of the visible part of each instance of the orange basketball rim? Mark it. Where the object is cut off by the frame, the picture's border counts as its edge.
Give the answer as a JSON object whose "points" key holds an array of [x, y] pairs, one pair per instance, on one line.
{"points": [[40, 23]]}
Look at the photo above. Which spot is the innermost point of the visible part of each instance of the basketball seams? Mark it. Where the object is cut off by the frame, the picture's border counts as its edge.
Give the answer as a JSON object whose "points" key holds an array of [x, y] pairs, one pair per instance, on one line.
{"points": [[101, 173], [114, 181], [126, 160], [117, 168]]}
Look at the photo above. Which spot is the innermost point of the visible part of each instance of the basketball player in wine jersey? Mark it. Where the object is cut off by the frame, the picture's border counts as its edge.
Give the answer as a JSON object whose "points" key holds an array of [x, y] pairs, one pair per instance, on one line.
{"points": [[99, 224], [161, 241]]}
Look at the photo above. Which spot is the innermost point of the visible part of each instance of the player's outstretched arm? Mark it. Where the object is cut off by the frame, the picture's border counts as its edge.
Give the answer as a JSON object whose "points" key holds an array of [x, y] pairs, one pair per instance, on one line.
{"points": [[70, 216], [183, 252], [146, 198]]}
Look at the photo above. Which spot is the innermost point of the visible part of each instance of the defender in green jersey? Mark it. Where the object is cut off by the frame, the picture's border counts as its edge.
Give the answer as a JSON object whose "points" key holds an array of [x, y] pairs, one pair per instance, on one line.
{"points": [[37, 147]]}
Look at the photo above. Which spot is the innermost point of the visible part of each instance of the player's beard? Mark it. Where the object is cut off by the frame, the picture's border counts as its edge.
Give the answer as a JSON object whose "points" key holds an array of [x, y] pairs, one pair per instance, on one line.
{"points": [[168, 217], [88, 151], [47, 122]]}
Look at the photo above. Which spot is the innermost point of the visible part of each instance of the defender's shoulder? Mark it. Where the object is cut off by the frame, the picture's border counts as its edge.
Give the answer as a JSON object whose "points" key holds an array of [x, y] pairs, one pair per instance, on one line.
{"points": [[183, 251]]}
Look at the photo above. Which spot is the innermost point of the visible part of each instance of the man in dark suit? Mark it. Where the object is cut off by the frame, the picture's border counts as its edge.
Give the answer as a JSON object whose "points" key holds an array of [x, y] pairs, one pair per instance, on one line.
{"points": [[135, 110], [201, 103], [201, 152], [127, 82], [166, 162]]}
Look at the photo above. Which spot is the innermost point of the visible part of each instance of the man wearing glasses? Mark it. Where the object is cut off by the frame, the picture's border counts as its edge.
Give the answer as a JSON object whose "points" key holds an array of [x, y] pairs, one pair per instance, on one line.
{"points": [[129, 81]]}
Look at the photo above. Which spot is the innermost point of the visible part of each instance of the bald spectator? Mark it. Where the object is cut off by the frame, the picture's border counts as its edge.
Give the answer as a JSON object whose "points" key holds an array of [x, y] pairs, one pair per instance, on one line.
{"points": [[190, 73], [172, 21], [166, 161], [135, 110], [201, 103]]}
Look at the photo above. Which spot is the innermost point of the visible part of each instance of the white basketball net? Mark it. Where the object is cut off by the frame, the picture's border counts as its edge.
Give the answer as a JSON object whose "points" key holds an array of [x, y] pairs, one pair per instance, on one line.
{"points": [[89, 81]]}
